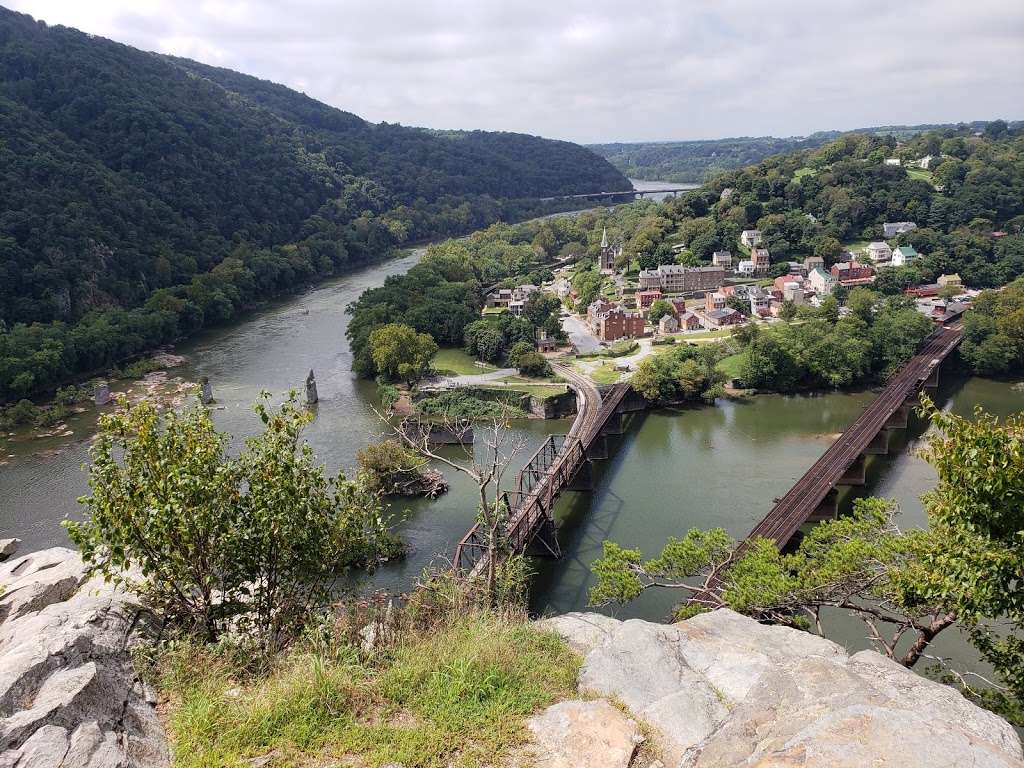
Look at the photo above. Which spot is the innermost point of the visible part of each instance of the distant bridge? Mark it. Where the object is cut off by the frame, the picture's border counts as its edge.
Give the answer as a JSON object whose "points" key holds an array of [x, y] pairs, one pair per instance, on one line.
{"points": [[631, 194], [563, 462], [814, 497]]}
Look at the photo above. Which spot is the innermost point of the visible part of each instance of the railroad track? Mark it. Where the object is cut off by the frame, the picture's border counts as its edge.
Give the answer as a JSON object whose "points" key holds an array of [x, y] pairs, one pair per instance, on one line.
{"points": [[796, 507]]}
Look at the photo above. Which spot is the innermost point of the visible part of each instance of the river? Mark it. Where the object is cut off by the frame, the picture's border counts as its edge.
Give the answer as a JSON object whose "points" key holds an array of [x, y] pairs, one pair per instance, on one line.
{"points": [[671, 470]]}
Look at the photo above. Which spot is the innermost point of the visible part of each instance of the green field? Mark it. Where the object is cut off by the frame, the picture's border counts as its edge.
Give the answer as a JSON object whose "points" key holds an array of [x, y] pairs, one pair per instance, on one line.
{"points": [[605, 374], [732, 365], [799, 173], [452, 361]]}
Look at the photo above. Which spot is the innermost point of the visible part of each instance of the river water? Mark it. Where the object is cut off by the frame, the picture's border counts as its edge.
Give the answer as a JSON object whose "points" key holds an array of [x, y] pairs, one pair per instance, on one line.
{"points": [[671, 470]]}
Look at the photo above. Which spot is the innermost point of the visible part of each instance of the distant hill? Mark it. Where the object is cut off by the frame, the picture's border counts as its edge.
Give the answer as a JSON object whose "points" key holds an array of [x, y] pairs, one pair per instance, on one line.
{"points": [[697, 161], [183, 192]]}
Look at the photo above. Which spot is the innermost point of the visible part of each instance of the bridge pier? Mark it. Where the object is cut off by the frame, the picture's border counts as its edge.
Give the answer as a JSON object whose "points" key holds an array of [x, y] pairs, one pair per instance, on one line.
{"points": [[879, 445], [828, 509], [855, 474], [613, 426], [598, 449], [900, 417], [583, 480], [932, 382]]}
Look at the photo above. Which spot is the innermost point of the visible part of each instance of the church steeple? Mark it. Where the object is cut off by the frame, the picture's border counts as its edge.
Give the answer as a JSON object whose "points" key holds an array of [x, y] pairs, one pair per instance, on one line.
{"points": [[604, 238]]}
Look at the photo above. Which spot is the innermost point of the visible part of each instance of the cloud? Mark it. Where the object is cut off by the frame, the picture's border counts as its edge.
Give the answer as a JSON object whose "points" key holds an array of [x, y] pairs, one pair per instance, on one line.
{"points": [[601, 71]]}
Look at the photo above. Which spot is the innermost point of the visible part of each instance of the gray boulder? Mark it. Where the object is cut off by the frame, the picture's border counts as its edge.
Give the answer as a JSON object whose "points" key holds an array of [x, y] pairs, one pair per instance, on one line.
{"points": [[69, 695], [8, 547], [722, 690]]}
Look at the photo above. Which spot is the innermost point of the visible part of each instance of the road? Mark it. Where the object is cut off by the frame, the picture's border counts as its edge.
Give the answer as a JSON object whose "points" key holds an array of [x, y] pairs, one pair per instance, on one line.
{"points": [[580, 335]]}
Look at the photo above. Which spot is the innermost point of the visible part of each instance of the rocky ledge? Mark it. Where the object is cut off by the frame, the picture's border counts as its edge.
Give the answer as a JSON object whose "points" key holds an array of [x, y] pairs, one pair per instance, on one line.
{"points": [[69, 697], [721, 690]]}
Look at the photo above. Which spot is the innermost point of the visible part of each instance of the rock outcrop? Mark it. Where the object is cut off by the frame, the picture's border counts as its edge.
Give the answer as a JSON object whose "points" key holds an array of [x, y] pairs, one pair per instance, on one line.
{"points": [[721, 690], [69, 696]]}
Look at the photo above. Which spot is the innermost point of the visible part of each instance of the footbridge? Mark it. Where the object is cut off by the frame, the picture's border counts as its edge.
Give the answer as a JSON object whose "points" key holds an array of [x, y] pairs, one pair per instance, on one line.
{"points": [[561, 463], [814, 497]]}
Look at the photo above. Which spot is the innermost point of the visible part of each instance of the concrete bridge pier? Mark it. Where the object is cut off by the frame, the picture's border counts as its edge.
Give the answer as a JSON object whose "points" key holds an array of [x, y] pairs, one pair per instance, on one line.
{"points": [[614, 425], [932, 382], [855, 474], [900, 417], [828, 509], [879, 445], [598, 449]]}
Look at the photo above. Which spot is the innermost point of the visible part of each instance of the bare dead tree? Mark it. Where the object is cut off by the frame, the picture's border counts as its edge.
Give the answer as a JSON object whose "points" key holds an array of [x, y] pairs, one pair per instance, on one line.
{"points": [[486, 450]]}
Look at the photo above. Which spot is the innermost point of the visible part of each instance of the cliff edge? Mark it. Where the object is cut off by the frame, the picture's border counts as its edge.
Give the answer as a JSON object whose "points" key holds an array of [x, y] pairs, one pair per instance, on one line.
{"points": [[721, 690]]}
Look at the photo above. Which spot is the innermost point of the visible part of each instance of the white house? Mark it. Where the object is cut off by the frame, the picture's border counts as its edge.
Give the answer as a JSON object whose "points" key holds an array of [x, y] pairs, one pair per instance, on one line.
{"points": [[903, 255], [745, 267], [750, 237], [722, 259], [892, 161], [879, 251], [760, 302], [822, 282], [893, 228]]}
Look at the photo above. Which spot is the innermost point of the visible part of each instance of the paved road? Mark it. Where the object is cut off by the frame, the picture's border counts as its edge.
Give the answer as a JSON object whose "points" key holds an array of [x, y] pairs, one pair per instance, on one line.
{"points": [[580, 335], [469, 379]]}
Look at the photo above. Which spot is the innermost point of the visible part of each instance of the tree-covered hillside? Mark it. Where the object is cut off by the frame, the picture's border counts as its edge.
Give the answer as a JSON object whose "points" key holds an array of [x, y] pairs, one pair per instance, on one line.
{"points": [[145, 196], [698, 161]]}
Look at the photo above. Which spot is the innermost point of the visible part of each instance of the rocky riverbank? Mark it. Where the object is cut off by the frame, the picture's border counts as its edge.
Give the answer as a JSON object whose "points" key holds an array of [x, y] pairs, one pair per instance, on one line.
{"points": [[69, 696]]}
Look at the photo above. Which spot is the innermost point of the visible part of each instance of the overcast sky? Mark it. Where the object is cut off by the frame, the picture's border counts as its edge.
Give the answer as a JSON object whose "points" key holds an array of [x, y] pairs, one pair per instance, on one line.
{"points": [[590, 70]]}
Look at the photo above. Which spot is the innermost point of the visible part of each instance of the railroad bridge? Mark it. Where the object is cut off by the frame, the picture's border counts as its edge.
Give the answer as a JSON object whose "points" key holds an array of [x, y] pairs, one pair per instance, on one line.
{"points": [[561, 463], [814, 496]]}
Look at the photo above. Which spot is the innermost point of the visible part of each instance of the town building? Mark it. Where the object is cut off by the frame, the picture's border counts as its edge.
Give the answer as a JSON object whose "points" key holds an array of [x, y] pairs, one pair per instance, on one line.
{"points": [[520, 295], [797, 269], [953, 280], [762, 260], [675, 278], [751, 237], [608, 254], [793, 291], [721, 259], [745, 268], [617, 324], [720, 318], [561, 287], [822, 282], [893, 161], [760, 302], [852, 273], [644, 299], [649, 279], [689, 321], [812, 263], [545, 342], [713, 301], [500, 297], [879, 252], [597, 309], [678, 306], [903, 255], [892, 228], [780, 283], [668, 324]]}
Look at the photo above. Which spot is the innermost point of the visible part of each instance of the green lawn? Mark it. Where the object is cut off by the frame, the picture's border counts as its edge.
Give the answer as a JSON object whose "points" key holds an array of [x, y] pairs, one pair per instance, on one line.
{"points": [[452, 361], [605, 374], [799, 173], [719, 334], [732, 365], [856, 246], [920, 174]]}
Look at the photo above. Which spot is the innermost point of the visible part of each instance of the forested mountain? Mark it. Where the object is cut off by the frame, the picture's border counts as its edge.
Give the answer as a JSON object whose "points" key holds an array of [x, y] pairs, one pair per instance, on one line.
{"points": [[144, 196], [698, 161]]}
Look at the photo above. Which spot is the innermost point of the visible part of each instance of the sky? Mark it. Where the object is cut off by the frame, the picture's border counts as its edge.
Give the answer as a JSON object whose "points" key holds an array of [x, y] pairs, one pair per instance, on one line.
{"points": [[596, 71]]}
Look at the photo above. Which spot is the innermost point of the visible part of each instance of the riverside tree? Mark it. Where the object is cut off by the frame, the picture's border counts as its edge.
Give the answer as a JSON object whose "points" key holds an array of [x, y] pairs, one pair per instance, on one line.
{"points": [[209, 541], [400, 353], [906, 586]]}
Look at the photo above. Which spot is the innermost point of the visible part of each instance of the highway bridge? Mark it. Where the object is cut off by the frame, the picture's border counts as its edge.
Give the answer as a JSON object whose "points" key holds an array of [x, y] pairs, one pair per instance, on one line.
{"points": [[621, 195], [843, 463], [561, 463]]}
